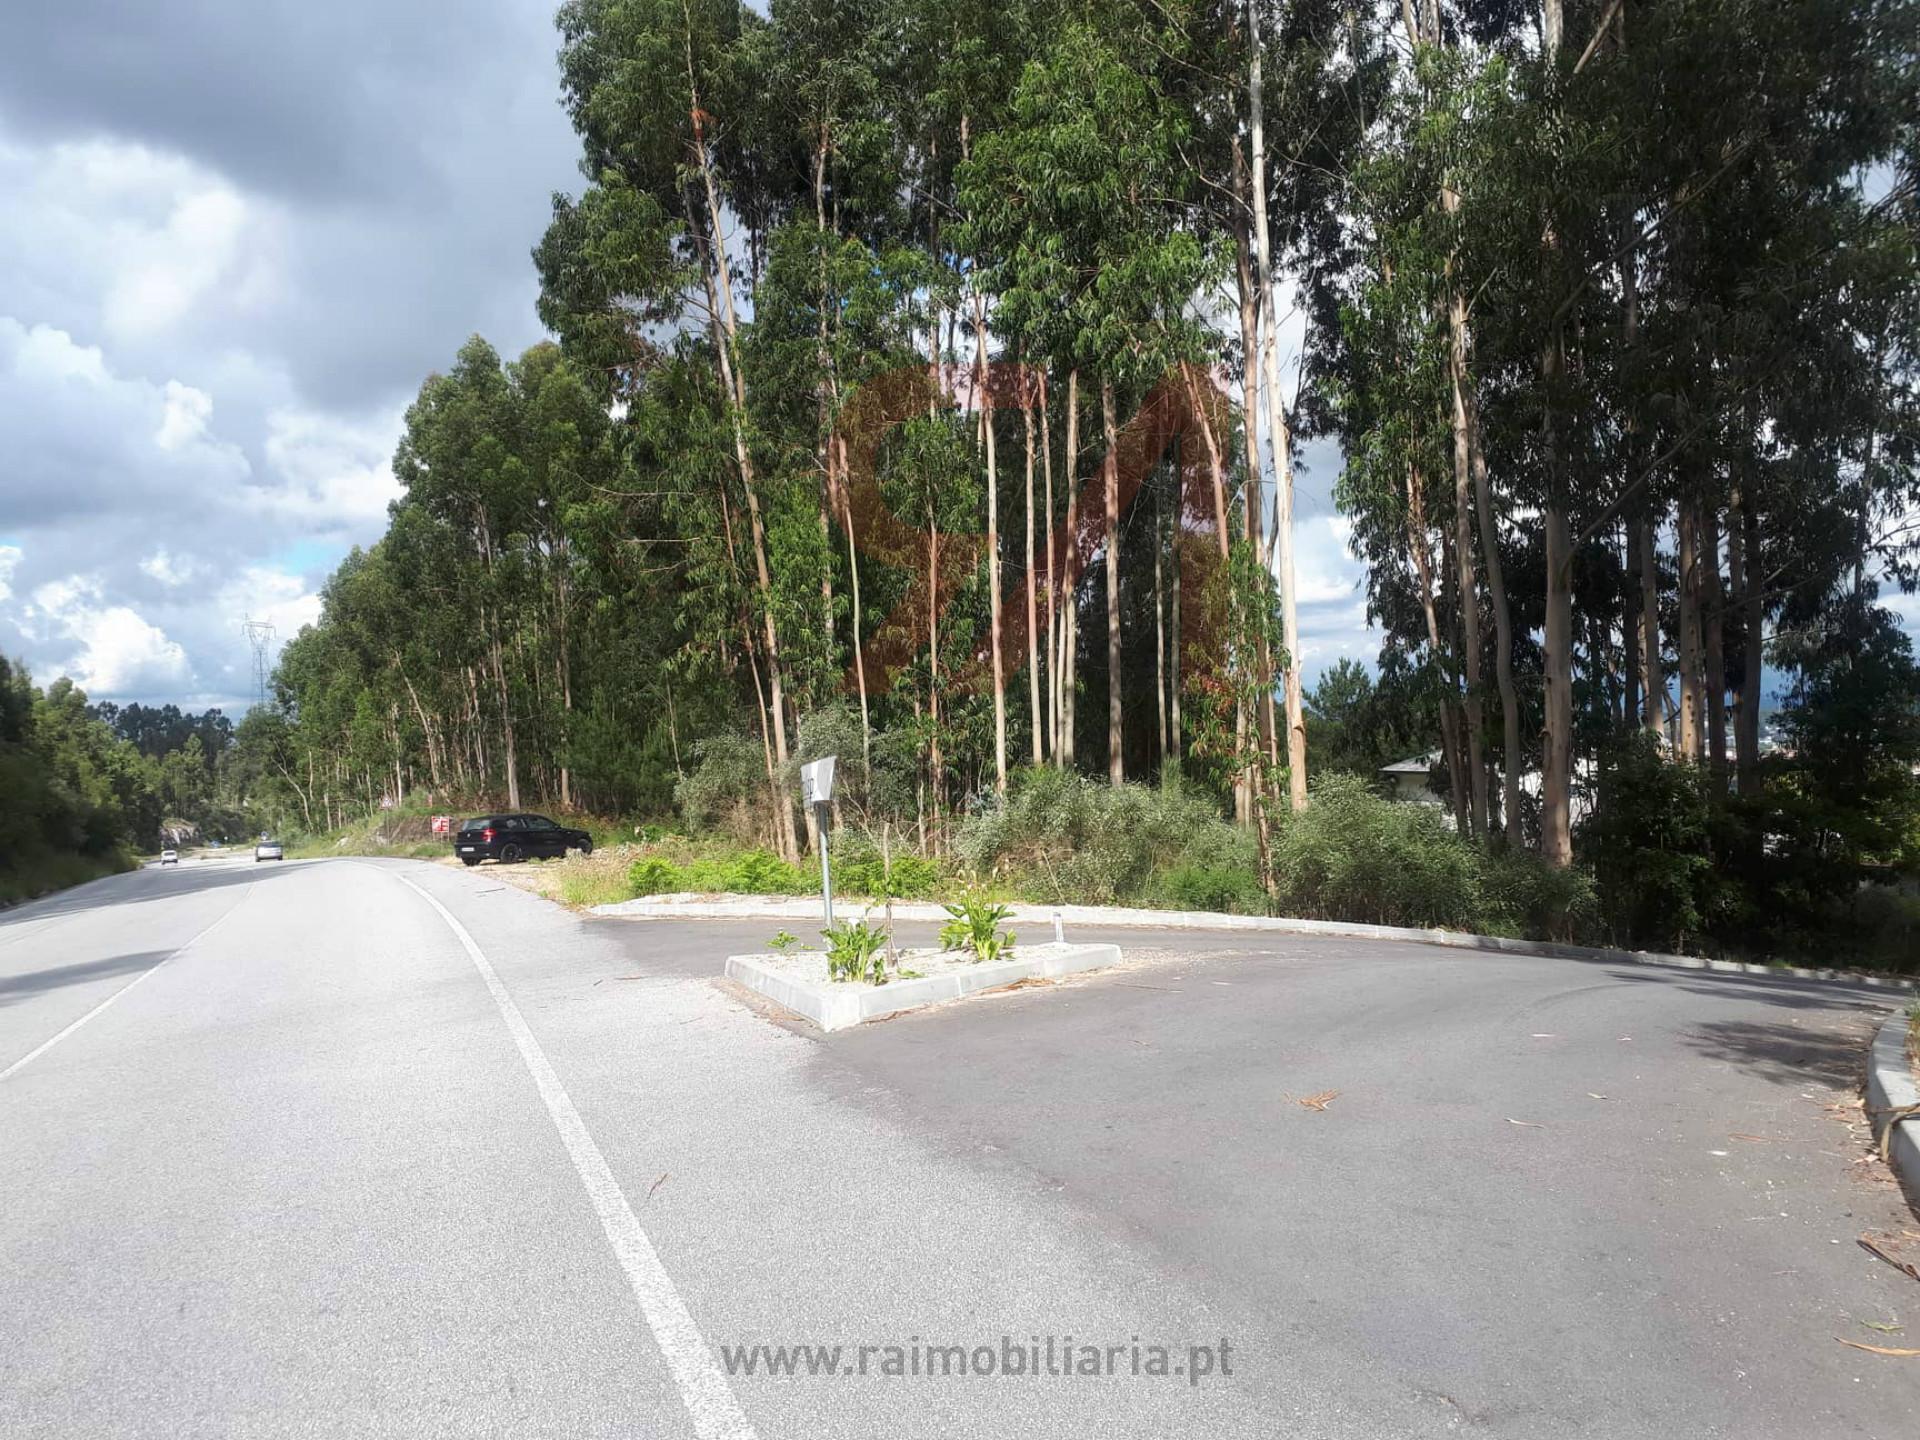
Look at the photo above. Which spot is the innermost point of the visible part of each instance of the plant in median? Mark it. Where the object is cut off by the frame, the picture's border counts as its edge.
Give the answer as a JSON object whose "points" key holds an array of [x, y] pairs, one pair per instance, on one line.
{"points": [[853, 951], [975, 926], [654, 876], [783, 942]]}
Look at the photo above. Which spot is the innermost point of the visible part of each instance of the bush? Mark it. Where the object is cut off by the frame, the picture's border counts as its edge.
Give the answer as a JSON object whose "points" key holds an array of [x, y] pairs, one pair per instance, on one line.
{"points": [[860, 868], [1063, 837], [1352, 855], [759, 873], [1212, 887], [654, 876], [1532, 898]]}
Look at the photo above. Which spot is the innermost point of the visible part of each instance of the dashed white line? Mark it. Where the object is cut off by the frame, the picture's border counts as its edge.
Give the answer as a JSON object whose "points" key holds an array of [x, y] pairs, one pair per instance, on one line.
{"points": [[704, 1390], [42, 1049]]}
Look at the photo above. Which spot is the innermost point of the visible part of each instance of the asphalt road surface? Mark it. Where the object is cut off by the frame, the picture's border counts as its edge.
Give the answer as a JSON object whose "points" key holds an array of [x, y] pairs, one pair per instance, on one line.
{"points": [[389, 1149]]}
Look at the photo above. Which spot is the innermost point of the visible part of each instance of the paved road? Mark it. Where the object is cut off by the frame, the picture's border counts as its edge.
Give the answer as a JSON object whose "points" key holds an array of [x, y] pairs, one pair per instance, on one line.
{"points": [[318, 1168]]}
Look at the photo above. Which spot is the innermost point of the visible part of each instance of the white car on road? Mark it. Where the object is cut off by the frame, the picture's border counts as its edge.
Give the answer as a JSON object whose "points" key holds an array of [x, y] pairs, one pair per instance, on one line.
{"points": [[269, 850], [169, 856]]}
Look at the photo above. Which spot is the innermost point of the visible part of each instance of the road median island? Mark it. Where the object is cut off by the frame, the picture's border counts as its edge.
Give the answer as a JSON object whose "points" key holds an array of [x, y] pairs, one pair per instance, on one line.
{"points": [[691, 906], [798, 981], [1893, 1103]]}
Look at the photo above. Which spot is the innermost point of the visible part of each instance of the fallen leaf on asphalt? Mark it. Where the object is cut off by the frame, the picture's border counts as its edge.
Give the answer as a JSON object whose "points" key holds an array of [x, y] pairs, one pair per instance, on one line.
{"points": [[1902, 1265], [1524, 1124], [1596, 1095], [1757, 1139], [656, 1185], [1320, 1101], [1879, 1349], [1882, 1327]]}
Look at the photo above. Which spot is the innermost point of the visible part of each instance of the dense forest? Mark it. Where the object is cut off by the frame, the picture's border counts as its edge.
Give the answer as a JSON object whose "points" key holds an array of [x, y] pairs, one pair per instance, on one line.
{"points": [[917, 395], [87, 784]]}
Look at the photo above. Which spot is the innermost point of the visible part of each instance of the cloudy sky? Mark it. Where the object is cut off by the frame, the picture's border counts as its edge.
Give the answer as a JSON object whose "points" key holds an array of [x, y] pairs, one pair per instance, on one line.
{"points": [[236, 235]]}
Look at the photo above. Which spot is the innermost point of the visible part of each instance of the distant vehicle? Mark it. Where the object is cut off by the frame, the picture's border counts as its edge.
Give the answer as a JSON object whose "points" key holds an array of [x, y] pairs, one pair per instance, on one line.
{"points": [[268, 850], [508, 838], [169, 857]]}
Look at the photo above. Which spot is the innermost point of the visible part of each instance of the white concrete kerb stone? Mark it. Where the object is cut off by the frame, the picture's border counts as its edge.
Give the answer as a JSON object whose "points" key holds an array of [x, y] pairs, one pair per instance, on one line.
{"points": [[837, 1005], [1890, 1087]]}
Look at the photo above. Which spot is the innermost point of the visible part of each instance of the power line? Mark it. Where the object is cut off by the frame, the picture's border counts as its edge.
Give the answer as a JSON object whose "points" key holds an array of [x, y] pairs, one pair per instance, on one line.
{"points": [[260, 637]]}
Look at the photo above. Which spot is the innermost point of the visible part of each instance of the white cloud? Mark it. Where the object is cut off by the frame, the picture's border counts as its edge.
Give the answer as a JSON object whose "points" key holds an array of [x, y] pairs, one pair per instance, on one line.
{"points": [[9, 560], [184, 416], [169, 569], [335, 474], [119, 653]]}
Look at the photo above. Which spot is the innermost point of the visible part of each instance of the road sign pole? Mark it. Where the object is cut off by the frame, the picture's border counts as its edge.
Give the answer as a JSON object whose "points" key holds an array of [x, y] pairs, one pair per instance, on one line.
{"points": [[826, 874], [816, 789]]}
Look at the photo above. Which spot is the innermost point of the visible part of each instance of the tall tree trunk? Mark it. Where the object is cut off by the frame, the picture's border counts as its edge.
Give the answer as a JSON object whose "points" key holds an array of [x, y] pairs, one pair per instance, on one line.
{"points": [[1250, 307], [720, 286], [1053, 580], [994, 601], [1713, 647], [1753, 613], [1278, 432], [853, 578], [1160, 632], [1556, 760], [1070, 578], [1422, 554], [1511, 762], [1692, 738], [1033, 611], [1469, 598], [1110, 471], [1653, 682]]}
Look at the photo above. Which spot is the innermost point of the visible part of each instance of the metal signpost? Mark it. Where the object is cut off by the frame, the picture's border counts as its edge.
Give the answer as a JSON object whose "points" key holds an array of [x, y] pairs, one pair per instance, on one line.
{"points": [[816, 789]]}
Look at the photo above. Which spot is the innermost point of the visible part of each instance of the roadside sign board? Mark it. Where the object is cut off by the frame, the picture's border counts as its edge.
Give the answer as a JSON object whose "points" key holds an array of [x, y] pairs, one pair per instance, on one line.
{"points": [[443, 824], [816, 781]]}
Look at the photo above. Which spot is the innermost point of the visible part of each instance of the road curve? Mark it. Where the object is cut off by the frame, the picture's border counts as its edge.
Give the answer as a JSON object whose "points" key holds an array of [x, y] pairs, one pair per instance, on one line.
{"points": [[293, 1164]]}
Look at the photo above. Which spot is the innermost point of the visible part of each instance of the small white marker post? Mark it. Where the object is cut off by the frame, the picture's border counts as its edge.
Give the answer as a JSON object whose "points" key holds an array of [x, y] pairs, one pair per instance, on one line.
{"points": [[816, 789]]}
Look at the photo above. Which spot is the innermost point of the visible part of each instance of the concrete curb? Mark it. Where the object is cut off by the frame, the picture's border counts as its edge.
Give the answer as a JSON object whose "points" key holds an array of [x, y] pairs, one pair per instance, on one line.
{"points": [[774, 907], [1890, 1087], [837, 1007]]}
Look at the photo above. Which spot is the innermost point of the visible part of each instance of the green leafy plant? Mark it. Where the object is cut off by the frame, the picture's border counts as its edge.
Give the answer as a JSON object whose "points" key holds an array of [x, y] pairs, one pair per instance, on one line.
{"points": [[854, 951], [654, 876], [975, 926], [784, 941], [759, 873]]}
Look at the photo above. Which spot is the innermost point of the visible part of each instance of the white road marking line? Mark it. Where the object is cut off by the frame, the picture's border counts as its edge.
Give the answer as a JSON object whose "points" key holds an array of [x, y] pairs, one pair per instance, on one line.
{"points": [[704, 1390], [42, 1049]]}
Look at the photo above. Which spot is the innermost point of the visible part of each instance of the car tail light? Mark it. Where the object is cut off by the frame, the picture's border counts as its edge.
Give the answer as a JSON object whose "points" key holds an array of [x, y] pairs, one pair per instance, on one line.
{"points": [[486, 836]]}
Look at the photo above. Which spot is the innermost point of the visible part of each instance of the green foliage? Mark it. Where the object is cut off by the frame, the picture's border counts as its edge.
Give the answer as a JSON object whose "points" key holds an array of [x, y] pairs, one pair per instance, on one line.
{"points": [[783, 941], [973, 924], [650, 875], [1062, 837], [1211, 887], [1352, 855], [855, 951], [860, 867]]}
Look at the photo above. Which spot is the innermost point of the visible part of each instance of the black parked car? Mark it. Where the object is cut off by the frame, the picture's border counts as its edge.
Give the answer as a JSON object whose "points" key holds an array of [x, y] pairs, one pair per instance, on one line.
{"points": [[516, 837]]}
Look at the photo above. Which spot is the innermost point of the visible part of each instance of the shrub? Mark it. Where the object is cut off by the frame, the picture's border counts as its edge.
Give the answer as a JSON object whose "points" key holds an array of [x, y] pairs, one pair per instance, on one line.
{"points": [[1212, 887], [1352, 855], [860, 868], [1530, 897], [759, 873], [1064, 837], [654, 876]]}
